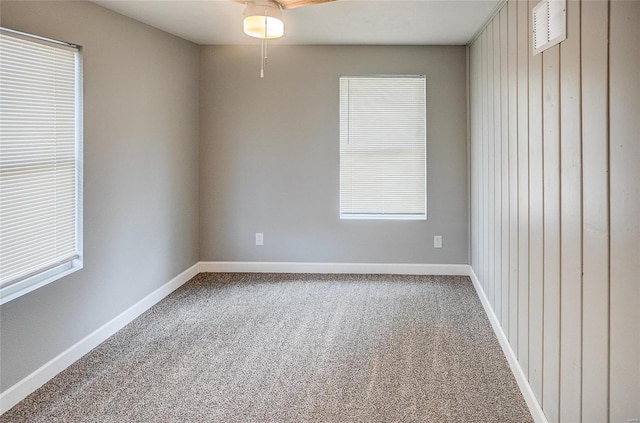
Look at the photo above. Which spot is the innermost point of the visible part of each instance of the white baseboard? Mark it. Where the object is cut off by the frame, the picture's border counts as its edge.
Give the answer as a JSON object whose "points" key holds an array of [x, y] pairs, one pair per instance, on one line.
{"points": [[523, 383], [361, 268], [29, 384]]}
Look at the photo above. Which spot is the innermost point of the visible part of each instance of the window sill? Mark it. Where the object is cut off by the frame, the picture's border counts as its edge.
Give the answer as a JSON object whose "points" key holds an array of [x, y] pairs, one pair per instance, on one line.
{"points": [[24, 286], [383, 217]]}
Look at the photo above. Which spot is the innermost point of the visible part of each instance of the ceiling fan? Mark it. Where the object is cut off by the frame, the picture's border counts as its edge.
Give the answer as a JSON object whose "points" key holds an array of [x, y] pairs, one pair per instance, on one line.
{"points": [[263, 20]]}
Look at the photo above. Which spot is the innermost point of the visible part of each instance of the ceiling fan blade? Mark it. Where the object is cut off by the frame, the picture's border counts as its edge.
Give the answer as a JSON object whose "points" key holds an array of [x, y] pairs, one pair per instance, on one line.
{"points": [[292, 4]]}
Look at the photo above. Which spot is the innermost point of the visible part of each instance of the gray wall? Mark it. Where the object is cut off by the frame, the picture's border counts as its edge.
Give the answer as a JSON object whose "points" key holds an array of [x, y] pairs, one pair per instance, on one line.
{"points": [[555, 146], [270, 156], [140, 178]]}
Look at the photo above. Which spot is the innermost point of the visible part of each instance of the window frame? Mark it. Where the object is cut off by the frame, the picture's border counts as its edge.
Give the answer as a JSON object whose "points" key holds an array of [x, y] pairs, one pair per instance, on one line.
{"points": [[382, 216], [49, 273]]}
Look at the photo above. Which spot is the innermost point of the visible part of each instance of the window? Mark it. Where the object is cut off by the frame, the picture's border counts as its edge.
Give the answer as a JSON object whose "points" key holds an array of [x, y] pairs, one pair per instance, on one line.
{"points": [[40, 162], [383, 147]]}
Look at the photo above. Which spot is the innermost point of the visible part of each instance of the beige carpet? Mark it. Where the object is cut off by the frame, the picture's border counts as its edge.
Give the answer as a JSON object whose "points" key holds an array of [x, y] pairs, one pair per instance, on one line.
{"points": [[294, 348]]}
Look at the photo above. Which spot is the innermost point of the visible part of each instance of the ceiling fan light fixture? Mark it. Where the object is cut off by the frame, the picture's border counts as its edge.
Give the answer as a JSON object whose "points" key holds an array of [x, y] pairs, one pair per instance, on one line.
{"points": [[263, 20]]}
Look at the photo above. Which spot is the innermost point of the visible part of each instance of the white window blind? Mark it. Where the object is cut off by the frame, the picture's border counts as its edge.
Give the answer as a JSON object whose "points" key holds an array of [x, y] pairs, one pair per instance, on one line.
{"points": [[40, 152], [383, 147]]}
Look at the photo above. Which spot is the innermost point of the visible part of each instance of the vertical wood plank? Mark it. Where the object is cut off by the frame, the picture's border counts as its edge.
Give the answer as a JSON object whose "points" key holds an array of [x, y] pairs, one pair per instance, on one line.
{"points": [[512, 45], [536, 222], [624, 61], [595, 322], [491, 168], [497, 170], [523, 185], [477, 143], [485, 164], [551, 294], [474, 146], [472, 166], [571, 219], [504, 177], [479, 162]]}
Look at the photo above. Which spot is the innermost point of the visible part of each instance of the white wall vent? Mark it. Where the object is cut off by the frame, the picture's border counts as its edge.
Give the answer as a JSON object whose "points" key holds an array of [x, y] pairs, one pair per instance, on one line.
{"points": [[549, 23]]}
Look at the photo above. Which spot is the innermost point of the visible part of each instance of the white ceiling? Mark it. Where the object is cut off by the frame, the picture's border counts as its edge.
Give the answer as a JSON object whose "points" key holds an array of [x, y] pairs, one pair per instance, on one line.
{"points": [[374, 22]]}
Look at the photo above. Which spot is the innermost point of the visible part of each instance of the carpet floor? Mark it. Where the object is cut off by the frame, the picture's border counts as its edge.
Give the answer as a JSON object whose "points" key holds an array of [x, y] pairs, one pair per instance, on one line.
{"points": [[293, 348]]}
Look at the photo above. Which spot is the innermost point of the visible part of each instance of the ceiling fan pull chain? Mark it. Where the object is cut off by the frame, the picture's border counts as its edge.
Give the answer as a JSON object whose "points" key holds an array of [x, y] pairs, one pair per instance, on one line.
{"points": [[264, 45], [266, 38], [262, 59]]}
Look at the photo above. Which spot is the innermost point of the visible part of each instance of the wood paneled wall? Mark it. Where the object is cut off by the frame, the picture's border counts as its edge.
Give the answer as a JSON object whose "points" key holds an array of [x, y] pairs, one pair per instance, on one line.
{"points": [[555, 203]]}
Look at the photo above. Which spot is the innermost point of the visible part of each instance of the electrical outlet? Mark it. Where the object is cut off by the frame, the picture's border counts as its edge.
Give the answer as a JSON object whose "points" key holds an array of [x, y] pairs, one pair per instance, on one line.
{"points": [[437, 241], [259, 238]]}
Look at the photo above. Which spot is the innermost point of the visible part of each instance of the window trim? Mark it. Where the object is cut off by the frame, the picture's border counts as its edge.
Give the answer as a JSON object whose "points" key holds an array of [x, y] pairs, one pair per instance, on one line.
{"points": [[52, 272]]}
